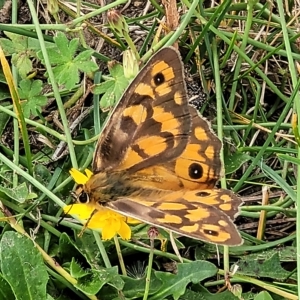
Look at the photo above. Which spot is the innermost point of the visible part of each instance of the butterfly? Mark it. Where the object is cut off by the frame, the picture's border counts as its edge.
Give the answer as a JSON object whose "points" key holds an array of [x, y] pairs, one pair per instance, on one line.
{"points": [[157, 160]]}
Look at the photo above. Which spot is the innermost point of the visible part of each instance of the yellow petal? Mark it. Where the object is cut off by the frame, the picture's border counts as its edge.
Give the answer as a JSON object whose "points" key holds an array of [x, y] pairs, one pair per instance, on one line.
{"points": [[110, 229], [78, 177], [99, 217], [132, 221], [88, 173], [98, 220], [108, 214], [107, 234], [124, 231], [83, 211]]}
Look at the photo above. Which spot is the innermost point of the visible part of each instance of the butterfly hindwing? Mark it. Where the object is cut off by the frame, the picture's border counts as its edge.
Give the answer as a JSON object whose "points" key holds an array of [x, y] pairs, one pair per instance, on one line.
{"points": [[191, 218], [223, 200]]}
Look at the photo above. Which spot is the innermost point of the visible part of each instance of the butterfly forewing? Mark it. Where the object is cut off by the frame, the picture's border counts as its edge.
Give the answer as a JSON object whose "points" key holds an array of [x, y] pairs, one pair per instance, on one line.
{"points": [[151, 122], [197, 167]]}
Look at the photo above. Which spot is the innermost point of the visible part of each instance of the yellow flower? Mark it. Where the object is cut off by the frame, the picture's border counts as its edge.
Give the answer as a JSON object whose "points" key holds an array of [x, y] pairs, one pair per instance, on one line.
{"points": [[98, 217], [79, 177]]}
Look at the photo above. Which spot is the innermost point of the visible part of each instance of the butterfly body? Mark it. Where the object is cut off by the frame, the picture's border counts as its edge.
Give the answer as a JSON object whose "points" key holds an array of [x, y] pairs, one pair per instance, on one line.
{"points": [[104, 188], [157, 160]]}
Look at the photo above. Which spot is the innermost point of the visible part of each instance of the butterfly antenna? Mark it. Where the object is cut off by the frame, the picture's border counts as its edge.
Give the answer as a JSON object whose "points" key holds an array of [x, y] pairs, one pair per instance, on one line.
{"points": [[86, 225]]}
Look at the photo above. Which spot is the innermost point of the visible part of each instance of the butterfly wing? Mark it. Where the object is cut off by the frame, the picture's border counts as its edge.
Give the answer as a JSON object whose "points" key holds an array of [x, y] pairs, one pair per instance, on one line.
{"points": [[162, 147], [197, 167], [207, 217], [151, 121], [221, 199]]}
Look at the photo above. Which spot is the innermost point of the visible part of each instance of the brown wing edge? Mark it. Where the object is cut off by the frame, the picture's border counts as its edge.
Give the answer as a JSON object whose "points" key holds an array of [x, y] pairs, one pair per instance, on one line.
{"points": [[131, 208]]}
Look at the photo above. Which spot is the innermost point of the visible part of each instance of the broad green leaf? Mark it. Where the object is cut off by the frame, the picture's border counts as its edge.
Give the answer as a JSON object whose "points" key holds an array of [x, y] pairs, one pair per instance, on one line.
{"points": [[115, 70], [112, 89], [285, 254], [86, 251], [67, 75], [205, 252], [54, 56], [31, 97], [102, 87], [234, 161], [15, 44], [199, 292], [23, 267], [67, 66], [23, 63], [263, 296], [133, 288], [22, 42], [5, 289], [19, 193], [93, 282], [89, 249], [76, 270], [22, 49], [176, 284], [83, 61], [7, 46], [249, 295], [268, 266], [68, 250], [65, 47], [86, 248]]}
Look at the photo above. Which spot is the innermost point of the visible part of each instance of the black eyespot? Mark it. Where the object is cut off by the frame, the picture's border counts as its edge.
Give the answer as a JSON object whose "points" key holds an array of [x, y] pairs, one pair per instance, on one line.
{"points": [[159, 78], [211, 232], [83, 198], [195, 171], [202, 194]]}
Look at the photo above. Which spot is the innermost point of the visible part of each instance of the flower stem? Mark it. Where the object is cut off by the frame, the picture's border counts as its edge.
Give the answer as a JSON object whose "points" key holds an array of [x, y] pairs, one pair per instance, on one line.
{"points": [[149, 269], [122, 265], [102, 249]]}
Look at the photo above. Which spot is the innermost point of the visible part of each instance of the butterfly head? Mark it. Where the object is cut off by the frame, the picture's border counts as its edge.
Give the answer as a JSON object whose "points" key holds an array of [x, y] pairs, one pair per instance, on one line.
{"points": [[98, 188], [90, 186], [80, 195]]}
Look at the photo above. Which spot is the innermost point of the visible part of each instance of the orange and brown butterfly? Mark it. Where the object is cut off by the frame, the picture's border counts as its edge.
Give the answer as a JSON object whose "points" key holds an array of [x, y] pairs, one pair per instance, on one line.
{"points": [[158, 161]]}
